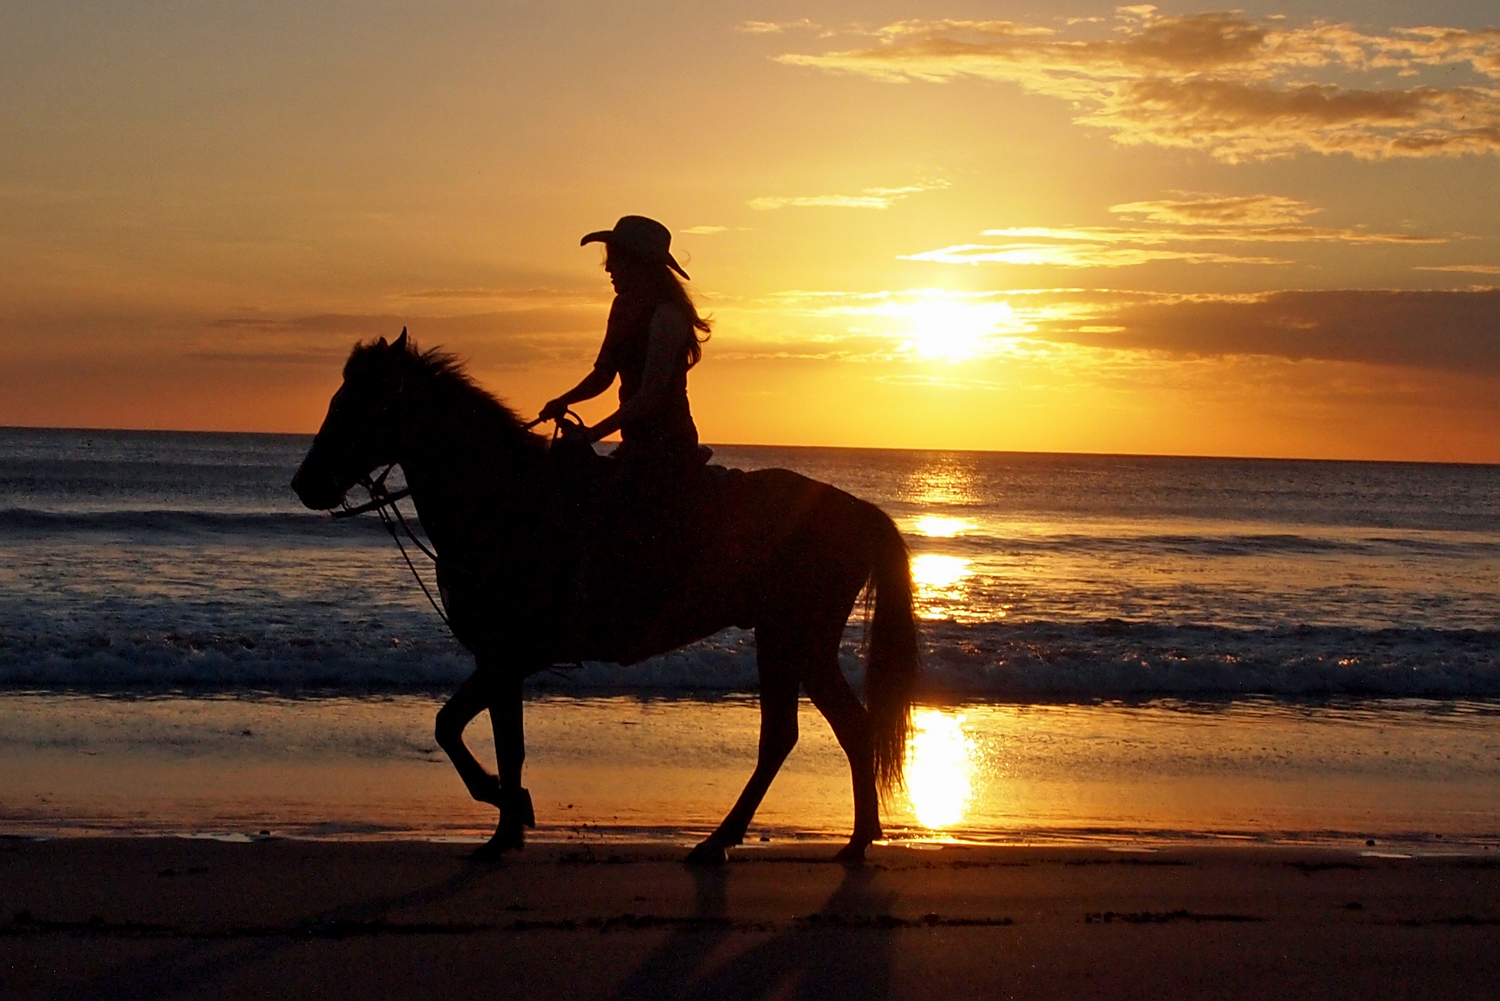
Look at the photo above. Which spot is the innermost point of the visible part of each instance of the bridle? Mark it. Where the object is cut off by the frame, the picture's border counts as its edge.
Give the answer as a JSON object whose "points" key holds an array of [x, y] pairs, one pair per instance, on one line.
{"points": [[384, 503]]}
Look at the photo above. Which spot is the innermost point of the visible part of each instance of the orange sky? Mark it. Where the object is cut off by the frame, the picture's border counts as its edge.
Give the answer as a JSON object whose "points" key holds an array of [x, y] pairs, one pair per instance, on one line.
{"points": [[997, 226]]}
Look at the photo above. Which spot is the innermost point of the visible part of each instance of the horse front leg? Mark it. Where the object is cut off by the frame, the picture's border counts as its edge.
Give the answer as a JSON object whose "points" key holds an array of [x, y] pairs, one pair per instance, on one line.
{"points": [[472, 698], [516, 814]]}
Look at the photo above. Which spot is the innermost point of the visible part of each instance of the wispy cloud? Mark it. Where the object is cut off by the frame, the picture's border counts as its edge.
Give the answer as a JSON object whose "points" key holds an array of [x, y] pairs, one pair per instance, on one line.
{"points": [[869, 198], [776, 27], [1196, 219], [1236, 87], [525, 298], [1449, 330], [494, 338], [1475, 269], [1202, 234], [1074, 255], [704, 230], [1199, 234], [1452, 330], [1198, 209]]}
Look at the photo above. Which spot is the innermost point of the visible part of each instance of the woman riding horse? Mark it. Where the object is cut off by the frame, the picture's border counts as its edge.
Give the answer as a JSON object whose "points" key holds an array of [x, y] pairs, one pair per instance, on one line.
{"points": [[772, 551], [651, 342]]}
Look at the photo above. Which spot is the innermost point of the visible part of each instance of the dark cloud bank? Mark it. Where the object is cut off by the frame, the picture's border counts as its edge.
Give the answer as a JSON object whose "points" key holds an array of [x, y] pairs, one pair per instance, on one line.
{"points": [[1448, 330]]}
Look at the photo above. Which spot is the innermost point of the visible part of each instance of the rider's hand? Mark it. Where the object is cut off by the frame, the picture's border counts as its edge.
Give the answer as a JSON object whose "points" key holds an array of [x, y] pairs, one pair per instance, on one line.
{"points": [[553, 410]]}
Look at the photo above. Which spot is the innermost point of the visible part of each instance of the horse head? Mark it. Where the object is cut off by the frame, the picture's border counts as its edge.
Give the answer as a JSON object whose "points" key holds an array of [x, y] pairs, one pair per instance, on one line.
{"points": [[363, 428]]}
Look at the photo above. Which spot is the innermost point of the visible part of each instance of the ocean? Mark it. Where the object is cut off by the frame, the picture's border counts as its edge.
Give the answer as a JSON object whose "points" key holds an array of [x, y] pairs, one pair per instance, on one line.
{"points": [[1114, 646]]}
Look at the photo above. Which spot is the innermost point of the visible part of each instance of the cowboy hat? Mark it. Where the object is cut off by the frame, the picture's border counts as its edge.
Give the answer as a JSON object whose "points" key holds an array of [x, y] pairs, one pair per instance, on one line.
{"points": [[640, 236]]}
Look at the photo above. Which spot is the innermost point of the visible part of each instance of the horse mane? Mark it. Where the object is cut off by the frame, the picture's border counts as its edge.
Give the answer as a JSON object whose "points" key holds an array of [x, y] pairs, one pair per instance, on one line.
{"points": [[443, 375]]}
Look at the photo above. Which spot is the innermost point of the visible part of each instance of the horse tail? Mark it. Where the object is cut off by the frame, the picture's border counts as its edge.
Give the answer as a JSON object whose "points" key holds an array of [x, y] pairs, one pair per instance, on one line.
{"points": [[892, 666]]}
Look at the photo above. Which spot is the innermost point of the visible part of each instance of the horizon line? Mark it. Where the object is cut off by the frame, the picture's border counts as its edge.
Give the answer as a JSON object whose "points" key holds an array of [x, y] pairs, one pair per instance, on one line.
{"points": [[864, 448]]}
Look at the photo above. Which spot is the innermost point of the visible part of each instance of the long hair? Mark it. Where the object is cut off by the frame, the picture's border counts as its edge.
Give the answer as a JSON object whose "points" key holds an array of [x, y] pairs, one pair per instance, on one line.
{"points": [[656, 276]]}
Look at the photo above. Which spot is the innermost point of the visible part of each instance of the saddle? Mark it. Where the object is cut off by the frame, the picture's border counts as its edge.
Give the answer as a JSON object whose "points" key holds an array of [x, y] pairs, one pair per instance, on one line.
{"points": [[629, 535]]}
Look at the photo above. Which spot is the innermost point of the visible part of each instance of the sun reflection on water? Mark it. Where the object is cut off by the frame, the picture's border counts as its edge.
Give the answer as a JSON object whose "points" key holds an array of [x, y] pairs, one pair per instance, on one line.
{"points": [[948, 480], [934, 573], [941, 526], [940, 762]]}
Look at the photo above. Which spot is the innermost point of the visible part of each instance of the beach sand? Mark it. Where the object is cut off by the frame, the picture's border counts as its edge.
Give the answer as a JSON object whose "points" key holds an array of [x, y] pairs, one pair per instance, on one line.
{"points": [[166, 918]]}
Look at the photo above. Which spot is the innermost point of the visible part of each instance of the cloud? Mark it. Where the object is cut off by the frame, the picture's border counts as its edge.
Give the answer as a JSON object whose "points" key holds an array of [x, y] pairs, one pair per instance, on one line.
{"points": [[776, 27], [1074, 255], [869, 198], [1261, 217], [1198, 234], [942, 382], [704, 230], [1234, 87], [1448, 330], [1477, 269], [501, 338], [524, 298], [1197, 219], [1220, 210]]}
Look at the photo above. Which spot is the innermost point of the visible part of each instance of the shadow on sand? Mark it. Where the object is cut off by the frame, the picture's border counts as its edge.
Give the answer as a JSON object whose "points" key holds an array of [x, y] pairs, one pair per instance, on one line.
{"points": [[839, 951]]}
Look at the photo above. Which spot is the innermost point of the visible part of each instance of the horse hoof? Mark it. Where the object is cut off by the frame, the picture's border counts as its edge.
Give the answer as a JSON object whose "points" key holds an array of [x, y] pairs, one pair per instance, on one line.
{"points": [[851, 854], [496, 848], [708, 853]]}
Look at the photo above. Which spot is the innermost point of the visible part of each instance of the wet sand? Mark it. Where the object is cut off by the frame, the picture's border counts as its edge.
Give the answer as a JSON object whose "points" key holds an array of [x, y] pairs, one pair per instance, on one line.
{"points": [[166, 918]]}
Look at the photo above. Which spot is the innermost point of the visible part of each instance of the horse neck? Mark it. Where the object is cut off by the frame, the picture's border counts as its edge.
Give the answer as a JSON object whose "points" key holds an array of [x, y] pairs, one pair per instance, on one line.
{"points": [[470, 478]]}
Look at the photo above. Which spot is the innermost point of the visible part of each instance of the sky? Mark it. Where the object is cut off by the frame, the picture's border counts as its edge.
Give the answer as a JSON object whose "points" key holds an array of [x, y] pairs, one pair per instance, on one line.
{"points": [[1056, 226]]}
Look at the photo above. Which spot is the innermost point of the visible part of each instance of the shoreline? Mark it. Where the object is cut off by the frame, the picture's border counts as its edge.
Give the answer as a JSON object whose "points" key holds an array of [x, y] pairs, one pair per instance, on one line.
{"points": [[173, 917], [760, 841], [629, 769]]}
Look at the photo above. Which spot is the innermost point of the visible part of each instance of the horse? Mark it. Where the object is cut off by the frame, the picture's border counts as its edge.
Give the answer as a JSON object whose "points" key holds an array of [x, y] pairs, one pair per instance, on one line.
{"points": [[769, 550]]}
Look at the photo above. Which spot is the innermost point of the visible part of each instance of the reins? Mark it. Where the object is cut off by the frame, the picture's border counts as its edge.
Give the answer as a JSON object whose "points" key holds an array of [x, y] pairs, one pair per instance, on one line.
{"points": [[566, 423], [384, 503]]}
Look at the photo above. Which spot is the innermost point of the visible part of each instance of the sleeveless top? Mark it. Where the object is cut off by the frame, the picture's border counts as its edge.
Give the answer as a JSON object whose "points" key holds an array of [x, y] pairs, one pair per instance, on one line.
{"points": [[667, 430]]}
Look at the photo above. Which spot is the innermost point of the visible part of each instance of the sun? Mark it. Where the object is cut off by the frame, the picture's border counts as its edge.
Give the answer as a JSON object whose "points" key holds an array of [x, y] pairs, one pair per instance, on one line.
{"points": [[949, 329]]}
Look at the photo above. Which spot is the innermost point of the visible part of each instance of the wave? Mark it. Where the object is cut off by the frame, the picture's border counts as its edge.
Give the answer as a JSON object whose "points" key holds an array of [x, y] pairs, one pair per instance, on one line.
{"points": [[1116, 658], [1213, 545], [1037, 660], [168, 524]]}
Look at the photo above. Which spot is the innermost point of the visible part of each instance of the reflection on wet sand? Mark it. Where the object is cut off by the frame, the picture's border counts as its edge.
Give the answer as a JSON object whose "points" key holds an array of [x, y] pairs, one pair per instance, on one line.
{"points": [[940, 763]]}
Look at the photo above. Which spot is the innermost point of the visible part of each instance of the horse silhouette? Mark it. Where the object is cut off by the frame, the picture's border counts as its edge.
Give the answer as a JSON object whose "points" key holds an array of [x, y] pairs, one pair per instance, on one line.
{"points": [[530, 579]]}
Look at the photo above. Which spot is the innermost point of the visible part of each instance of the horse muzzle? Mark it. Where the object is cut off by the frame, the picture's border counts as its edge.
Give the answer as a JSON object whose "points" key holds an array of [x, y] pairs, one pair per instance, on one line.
{"points": [[318, 489]]}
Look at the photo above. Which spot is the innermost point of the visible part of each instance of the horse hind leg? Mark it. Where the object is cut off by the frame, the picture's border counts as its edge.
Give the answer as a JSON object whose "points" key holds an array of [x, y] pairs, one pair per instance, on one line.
{"points": [[778, 735], [850, 721]]}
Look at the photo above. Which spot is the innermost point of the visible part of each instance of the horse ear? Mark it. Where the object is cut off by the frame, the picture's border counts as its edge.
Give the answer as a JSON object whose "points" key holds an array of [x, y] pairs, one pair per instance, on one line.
{"points": [[382, 343], [400, 344]]}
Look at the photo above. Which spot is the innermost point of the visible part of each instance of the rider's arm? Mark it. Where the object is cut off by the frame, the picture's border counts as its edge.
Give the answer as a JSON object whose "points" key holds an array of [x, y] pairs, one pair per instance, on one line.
{"points": [[596, 382], [670, 334]]}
